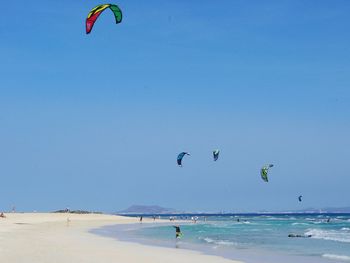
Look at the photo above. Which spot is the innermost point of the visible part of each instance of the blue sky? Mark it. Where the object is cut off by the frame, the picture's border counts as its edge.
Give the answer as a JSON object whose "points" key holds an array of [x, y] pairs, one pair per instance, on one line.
{"points": [[96, 121]]}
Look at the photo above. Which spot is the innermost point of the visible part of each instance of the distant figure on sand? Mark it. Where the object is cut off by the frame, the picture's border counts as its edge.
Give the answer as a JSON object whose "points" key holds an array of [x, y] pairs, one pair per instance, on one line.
{"points": [[178, 233], [141, 219], [2, 215]]}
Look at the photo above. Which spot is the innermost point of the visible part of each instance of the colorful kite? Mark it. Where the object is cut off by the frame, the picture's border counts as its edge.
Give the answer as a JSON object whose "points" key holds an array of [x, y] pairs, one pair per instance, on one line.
{"points": [[264, 170], [95, 13]]}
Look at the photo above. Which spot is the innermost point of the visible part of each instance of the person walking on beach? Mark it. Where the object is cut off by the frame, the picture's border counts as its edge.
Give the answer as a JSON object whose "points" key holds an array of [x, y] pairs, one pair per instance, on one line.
{"points": [[141, 219], [178, 233]]}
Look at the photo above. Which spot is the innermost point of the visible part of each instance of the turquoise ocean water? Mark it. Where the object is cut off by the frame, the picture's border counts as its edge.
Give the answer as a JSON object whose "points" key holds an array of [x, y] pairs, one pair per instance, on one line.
{"points": [[252, 238]]}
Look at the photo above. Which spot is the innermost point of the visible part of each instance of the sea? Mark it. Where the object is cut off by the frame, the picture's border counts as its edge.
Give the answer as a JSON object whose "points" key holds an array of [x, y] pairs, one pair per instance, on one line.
{"points": [[252, 238]]}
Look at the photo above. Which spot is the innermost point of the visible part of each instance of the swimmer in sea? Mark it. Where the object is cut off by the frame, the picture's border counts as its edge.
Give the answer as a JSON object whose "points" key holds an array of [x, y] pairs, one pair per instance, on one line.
{"points": [[297, 235]]}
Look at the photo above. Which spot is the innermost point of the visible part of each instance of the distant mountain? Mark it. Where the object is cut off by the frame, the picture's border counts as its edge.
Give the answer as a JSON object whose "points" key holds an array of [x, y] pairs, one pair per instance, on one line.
{"points": [[147, 209]]}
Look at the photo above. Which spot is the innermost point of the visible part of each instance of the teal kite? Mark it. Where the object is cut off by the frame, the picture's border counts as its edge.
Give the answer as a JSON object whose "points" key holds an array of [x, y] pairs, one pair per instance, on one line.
{"points": [[179, 158], [216, 154]]}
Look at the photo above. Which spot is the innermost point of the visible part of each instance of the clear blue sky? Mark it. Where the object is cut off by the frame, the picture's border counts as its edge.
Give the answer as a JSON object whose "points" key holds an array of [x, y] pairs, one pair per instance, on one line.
{"points": [[96, 121]]}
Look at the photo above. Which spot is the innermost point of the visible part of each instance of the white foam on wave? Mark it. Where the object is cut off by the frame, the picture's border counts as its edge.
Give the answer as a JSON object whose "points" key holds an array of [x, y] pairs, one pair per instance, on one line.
{"points": [[281, 218], [333, 235], [208, 240], [225, 243], [218, 242], [301, 224], [338, 257], [345, 229]]}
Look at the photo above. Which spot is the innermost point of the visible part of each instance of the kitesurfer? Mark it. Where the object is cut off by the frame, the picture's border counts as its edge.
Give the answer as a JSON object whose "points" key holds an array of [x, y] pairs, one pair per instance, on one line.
{"points": [[178, 233]]}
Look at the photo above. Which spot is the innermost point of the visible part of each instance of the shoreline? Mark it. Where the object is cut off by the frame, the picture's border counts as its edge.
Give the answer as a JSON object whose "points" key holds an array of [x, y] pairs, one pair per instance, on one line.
{"points": [[61, 237], [128, 233]]}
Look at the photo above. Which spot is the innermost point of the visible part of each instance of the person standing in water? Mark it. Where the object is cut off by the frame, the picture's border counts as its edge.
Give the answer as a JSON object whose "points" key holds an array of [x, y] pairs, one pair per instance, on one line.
{"points": [[178, 233]]}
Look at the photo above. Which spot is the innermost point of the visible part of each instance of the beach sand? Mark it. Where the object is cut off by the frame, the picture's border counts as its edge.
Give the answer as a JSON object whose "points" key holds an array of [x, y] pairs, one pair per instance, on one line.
{"points": [[51, 238]]}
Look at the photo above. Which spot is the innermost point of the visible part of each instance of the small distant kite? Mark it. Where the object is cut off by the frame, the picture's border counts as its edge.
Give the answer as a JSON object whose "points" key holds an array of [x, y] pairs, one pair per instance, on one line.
{"points": [[216, 155], [300, 198], [95, 13], [180, 156], [264, 171]]}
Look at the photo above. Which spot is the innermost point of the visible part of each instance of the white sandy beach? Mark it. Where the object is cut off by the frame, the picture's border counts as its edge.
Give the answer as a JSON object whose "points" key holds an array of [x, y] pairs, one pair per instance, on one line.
{"points": [[48, 237]]}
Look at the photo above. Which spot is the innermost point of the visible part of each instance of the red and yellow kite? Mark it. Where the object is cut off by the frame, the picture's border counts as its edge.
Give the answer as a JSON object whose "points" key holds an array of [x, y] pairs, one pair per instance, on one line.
{"points": [[95, 13]]}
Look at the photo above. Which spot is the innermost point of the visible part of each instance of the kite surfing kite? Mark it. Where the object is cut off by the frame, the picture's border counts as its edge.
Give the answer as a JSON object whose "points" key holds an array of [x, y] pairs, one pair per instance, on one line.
{"points": [[264, 170], [300, 198], [180, 156], [216, 155], [95, 13]]}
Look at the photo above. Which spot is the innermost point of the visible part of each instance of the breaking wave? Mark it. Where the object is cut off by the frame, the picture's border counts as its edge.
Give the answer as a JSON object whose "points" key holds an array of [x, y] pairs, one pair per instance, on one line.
{"points": [[218, 242], [333, 235], [301, 224], [338, 257]]}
